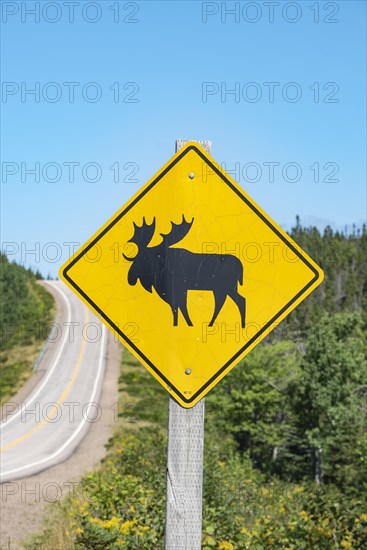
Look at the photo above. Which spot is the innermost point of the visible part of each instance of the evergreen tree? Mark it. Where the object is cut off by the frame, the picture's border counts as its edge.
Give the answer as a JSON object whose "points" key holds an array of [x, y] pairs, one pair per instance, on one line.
{"points": [[329, 402]]}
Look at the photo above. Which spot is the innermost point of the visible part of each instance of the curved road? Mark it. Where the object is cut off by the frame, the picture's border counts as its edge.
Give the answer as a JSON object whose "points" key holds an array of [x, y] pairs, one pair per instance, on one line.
{"points": [[50, 423]]}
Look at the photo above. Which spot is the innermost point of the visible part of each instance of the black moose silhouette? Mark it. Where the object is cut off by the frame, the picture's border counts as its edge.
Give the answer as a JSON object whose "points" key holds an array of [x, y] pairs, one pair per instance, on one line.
{"points": [[174, 271]]}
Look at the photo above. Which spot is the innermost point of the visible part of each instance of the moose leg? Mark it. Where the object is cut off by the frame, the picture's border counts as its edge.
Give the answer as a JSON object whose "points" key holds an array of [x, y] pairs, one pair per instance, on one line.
{"points": [[185, 313], [219, 302], [175, 316], [240, 302]]}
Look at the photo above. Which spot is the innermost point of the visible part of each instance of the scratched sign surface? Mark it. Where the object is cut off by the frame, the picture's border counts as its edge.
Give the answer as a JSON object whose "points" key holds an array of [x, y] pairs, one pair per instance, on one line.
{"points": [[191, 274]]}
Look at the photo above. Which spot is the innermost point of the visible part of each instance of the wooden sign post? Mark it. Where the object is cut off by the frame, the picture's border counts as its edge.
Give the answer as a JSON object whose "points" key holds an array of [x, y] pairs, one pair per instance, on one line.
{"points": [[184, 476], [185, 453]]}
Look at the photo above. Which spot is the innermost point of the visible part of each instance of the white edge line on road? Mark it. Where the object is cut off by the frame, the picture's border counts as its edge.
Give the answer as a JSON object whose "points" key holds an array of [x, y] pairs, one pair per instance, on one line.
{"points": [[51, 370], [73, 436]]}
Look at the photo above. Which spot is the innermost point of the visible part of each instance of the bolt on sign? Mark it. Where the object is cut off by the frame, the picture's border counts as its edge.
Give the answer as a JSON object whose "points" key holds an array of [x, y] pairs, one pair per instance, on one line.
{"points": [[191, 274]]}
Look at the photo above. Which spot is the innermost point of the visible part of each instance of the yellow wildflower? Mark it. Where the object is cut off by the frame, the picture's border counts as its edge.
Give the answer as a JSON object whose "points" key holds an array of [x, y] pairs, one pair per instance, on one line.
{"points": [[346, 544], [113, 522], [125, 527], [221, 464], [224, 545], [364, 517], [83, 509]]}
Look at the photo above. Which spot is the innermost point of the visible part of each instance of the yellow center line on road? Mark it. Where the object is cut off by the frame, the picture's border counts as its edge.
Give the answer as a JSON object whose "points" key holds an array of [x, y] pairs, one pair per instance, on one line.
{"points": [[61, 398]]}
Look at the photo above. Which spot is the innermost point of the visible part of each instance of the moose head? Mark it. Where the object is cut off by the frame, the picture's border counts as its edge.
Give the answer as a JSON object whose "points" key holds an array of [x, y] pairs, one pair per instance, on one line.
{"points": [[149, 262], [140, 268]]}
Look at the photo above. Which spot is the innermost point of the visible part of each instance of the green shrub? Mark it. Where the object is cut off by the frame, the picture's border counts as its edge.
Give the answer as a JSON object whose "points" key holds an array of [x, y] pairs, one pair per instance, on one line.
{"points": [[122, 504]]}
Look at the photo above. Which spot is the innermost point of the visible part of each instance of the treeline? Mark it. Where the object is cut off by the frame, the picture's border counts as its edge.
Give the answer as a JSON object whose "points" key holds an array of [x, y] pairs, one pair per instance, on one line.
{"points": [[25, 316], [343, 258]]}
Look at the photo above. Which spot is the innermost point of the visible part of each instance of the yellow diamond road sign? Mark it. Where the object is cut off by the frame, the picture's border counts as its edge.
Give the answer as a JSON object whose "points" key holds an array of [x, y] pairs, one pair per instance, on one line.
{"points": [[191, 274]]}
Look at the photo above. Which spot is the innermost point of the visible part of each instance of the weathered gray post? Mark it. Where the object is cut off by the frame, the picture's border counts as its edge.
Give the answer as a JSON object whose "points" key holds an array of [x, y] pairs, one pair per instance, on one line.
{"points": [[185, 465]]}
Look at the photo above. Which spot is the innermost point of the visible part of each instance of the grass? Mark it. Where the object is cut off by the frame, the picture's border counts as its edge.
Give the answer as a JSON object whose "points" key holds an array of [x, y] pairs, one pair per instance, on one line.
{"points": [[143, 401]]}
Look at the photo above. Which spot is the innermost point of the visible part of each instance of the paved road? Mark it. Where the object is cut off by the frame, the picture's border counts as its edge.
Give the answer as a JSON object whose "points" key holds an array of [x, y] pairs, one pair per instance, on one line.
{"points": [[49, 424]]}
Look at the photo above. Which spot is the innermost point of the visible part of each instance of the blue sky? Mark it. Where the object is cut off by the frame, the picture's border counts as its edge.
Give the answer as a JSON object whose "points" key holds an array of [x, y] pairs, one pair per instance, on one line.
{"points": [[164, 62]]}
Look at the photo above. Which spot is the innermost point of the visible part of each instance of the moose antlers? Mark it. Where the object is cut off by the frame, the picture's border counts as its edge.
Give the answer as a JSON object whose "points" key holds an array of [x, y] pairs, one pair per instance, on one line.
{"points": [[177, 233], [143, 234]]}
